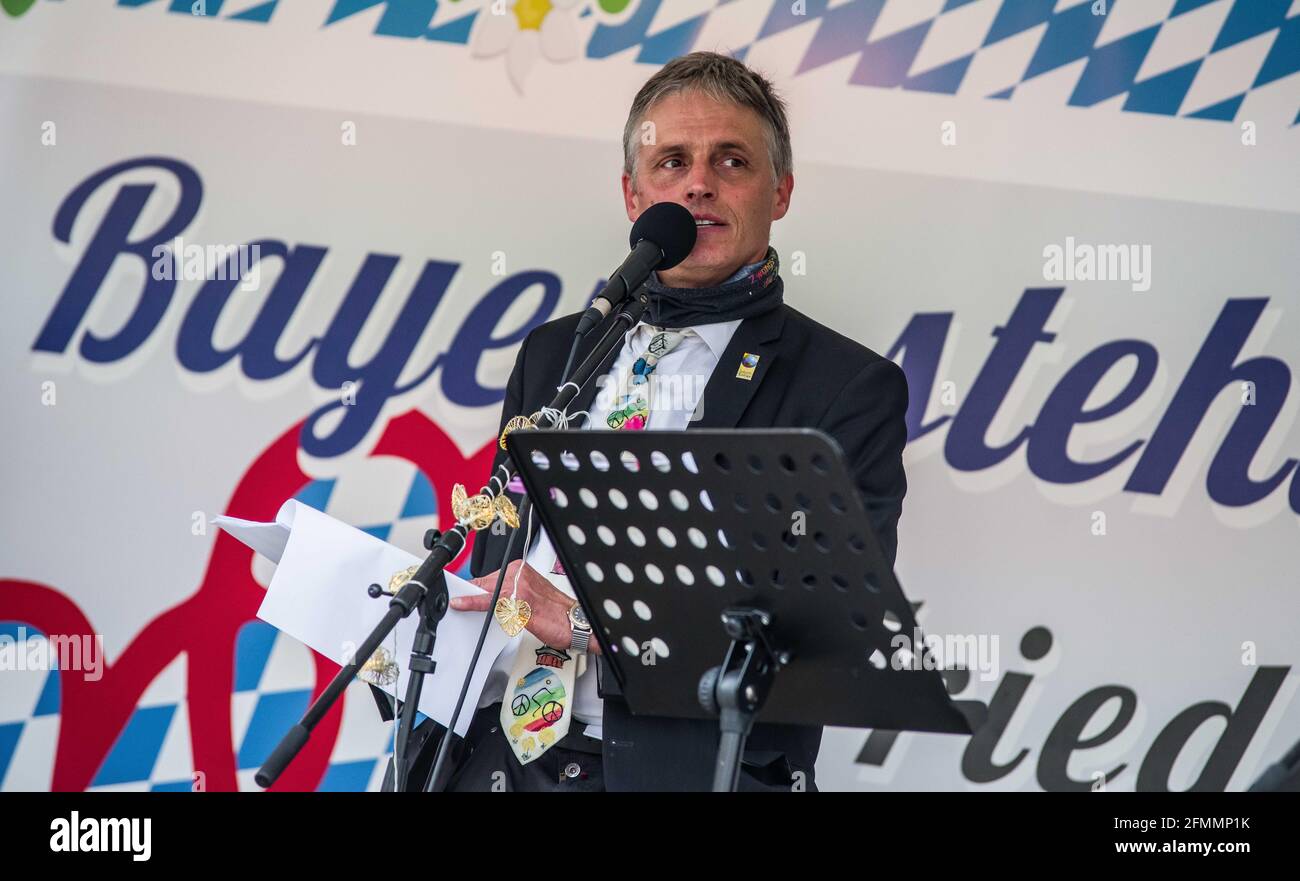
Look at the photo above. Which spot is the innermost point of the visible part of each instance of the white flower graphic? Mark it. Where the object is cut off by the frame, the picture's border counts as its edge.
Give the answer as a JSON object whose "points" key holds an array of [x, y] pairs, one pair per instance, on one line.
{"points": [[526, 29]]}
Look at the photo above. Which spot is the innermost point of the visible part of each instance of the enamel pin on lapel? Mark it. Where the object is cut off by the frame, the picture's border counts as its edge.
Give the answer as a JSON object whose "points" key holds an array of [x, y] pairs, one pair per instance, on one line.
{"points": [[747, 366]]}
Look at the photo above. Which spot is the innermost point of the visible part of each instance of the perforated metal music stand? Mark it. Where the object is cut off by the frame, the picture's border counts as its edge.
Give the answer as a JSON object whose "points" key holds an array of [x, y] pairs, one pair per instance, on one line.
{"points": [[666, 534]]}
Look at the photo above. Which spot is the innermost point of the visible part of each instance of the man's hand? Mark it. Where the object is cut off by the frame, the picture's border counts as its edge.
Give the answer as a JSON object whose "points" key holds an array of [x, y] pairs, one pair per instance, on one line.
{"points": [[550, 618]]}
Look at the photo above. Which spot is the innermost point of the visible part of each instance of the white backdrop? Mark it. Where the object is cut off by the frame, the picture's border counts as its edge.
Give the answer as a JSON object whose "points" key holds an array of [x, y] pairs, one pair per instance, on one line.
{"points": [[401, 164]]}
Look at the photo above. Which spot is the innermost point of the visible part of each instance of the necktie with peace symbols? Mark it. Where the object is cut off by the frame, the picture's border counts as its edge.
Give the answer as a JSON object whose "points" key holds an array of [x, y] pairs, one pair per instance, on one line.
{"points": [[632, 411], [535, 708]]}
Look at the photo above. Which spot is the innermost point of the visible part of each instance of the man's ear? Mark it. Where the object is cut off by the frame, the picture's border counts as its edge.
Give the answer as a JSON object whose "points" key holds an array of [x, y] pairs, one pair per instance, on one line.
{"points": [[630, 198], [781, 200]]}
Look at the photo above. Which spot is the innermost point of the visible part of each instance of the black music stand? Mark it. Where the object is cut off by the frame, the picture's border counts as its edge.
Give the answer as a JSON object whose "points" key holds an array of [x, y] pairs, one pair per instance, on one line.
{"points": [[666, 535]]}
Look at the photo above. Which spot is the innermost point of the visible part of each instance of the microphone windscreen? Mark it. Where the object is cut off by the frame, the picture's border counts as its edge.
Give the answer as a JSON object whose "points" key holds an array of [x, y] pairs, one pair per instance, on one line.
{"points": [[668, 225]]}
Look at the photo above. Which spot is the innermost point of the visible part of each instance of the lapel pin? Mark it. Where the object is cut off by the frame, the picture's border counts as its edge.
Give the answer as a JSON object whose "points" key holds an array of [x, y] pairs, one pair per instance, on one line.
{"points": [[747, 366]]}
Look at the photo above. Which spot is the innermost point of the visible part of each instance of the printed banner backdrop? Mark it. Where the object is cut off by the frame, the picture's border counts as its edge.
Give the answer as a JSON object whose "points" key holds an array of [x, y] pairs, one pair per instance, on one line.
{"points": [[1075, 225]]}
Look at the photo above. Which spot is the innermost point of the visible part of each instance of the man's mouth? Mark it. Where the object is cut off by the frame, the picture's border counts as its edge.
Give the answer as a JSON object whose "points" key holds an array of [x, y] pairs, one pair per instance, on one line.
{"points": [[704, 220]]}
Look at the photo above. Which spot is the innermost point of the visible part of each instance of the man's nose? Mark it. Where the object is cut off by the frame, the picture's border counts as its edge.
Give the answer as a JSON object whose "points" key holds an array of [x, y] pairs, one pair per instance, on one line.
{"points": [[702, 183]]}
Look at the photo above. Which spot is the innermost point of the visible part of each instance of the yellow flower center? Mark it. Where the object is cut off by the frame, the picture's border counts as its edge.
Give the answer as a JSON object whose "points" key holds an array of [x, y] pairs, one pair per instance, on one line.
{"points": [[530, 13]]}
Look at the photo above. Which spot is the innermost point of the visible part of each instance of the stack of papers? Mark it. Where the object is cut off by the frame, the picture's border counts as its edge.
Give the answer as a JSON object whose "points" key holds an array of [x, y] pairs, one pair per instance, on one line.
{"points": [[318, 596]]}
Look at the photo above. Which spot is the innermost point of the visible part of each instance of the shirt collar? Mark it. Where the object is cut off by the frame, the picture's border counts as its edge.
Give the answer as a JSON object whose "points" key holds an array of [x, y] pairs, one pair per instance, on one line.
{"points": [[717, 336]]}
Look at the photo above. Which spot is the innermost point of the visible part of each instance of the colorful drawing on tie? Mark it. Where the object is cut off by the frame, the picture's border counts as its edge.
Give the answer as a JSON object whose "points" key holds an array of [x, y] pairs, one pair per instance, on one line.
{"points": [[631, 417], [549, 657], [538, 698], [632, 411]]}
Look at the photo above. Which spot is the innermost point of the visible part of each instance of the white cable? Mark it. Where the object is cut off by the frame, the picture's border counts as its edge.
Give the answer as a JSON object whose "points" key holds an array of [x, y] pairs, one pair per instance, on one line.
{"points": [[528, 540], [560, 419]]}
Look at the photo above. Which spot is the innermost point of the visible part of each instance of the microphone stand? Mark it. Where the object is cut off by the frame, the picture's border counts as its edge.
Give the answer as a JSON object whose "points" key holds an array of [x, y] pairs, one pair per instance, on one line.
{"points": [[628, 316], [427, 590]]}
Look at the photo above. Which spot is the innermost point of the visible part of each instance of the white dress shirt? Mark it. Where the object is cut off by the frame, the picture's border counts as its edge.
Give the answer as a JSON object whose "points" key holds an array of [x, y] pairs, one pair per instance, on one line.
{"points": [[672, 403]]}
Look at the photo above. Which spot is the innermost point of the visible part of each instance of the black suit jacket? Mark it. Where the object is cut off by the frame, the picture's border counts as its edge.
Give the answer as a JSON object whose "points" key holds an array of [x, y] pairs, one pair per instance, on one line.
{"points": [[807, 376]]}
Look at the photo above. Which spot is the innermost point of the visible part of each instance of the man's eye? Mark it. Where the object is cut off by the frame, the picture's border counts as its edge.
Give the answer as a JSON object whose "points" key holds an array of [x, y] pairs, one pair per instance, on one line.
{"points": [[668, 163], [734, 162]]}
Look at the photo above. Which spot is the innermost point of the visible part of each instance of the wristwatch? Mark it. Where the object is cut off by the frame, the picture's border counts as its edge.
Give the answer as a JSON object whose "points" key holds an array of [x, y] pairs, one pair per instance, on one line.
{"points": [[581, 628]]}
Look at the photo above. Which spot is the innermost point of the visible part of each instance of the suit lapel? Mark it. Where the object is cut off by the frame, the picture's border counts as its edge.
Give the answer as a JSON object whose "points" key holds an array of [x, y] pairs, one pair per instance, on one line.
{"points": [[727, 394]]}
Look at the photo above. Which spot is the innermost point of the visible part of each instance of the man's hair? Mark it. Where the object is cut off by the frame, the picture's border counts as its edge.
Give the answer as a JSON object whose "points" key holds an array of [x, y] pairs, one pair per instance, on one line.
{"points": [[723, 79]]}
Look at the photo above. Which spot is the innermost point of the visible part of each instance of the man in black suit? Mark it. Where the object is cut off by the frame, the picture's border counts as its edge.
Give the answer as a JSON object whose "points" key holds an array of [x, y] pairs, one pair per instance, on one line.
{"points": [[710, 134]]}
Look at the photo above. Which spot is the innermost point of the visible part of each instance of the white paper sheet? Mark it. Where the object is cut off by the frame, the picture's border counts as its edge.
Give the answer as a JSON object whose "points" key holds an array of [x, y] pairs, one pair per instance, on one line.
{"points": [[318, 596]]}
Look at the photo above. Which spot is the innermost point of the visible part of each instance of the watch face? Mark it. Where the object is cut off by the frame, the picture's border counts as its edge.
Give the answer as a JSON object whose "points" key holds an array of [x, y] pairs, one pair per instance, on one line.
{"points": [[580, 617]]}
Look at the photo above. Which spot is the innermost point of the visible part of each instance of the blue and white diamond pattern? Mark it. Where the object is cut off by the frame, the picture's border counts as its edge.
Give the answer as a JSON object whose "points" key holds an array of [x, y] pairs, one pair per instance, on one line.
{"points": [[1203, 59], [1191, 58], [29, 718]]}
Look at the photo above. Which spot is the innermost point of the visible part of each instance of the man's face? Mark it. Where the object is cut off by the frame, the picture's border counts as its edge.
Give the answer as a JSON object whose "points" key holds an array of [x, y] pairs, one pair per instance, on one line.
{"points": [[712, 158]]}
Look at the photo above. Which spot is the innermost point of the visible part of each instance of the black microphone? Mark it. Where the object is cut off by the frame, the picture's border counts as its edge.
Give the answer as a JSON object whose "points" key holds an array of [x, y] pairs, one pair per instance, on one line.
{"points": [[662, 237]]}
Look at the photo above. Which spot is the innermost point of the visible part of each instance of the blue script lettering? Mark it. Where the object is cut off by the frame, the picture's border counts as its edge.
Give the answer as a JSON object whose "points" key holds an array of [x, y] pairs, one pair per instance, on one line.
{"points": [[109, 241], [376, 381], [1214, 369], [919, 348]]}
